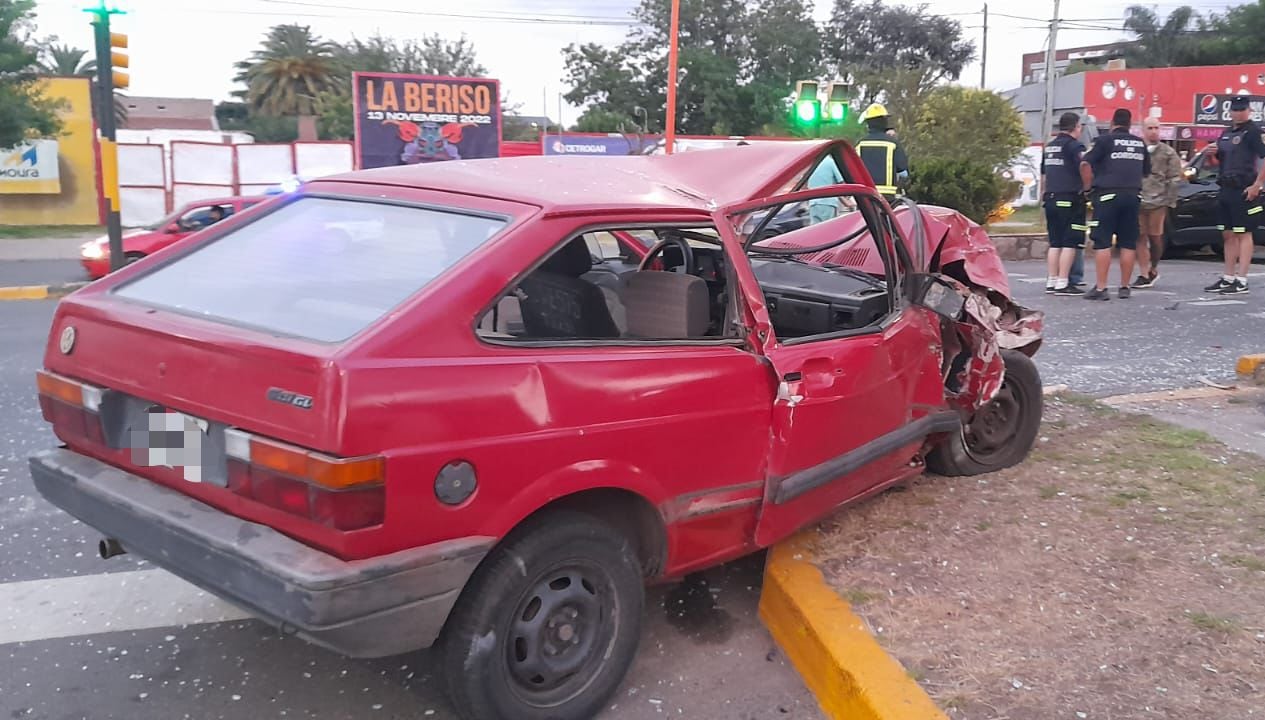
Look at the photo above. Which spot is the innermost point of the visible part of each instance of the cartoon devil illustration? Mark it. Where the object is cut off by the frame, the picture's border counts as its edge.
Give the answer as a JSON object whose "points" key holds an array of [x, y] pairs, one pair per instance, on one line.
{"points": [[429, 141]]}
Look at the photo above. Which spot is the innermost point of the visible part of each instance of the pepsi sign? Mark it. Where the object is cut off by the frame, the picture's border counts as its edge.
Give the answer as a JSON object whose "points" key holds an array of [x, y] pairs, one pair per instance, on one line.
{"points": [[1214, 109]]}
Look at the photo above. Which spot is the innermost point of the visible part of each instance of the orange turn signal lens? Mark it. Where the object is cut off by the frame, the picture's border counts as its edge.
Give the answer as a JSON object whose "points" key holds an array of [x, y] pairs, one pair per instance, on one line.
{"points": [[60, 388], [329, 472]]}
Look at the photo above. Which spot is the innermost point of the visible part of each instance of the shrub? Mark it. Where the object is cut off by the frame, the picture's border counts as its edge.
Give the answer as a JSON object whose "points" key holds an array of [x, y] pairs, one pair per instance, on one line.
{"points": [[972, 188]]}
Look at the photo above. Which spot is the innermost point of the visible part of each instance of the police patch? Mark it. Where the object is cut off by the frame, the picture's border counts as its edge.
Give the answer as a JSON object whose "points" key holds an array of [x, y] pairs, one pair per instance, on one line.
{"points": [[1237, 139]]}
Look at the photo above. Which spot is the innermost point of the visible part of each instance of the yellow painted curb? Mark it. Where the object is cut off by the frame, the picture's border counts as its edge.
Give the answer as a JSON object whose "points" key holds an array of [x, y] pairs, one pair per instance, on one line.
{"points": [[30, 292], [839, 660], [1249, 364]]}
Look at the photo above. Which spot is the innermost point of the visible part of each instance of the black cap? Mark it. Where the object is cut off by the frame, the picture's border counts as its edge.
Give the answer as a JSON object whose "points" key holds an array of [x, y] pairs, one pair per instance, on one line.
{"points": [[1239, 103]]}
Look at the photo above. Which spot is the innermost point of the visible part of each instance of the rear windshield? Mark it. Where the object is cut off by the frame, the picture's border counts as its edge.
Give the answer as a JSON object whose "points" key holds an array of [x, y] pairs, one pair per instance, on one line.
{"points": [[317, 268]]}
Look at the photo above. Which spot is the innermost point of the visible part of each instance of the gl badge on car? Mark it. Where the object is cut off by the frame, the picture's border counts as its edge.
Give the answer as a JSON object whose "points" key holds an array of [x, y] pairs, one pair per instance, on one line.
{"points": [[285, 397]]}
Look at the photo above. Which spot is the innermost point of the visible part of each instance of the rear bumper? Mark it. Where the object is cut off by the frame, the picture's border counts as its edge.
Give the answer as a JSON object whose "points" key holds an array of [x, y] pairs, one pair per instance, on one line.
{"points": [[363, 608]]}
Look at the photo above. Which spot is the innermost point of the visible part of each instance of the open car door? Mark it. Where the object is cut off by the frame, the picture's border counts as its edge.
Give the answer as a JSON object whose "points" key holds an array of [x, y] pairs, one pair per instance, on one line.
{"points": [[859, 384]]}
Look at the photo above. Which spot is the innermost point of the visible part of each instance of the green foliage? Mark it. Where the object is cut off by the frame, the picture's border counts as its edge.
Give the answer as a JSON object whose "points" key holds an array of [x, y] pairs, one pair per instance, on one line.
{"points": [[335, 116], [972, 188], [605, 121], [1161, 43], [738, 62], [234, 116], [291, 67], [24, 112], [961, 123], [65, 60]]}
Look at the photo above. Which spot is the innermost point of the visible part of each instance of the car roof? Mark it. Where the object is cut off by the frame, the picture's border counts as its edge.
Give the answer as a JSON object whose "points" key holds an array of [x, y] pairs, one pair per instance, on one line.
{"points": [[691, 181], [225, 200]]}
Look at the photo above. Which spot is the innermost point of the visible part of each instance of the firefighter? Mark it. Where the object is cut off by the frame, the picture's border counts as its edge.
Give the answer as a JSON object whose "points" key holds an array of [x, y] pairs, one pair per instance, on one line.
{"points": [[882, 155], [1239, 208]]}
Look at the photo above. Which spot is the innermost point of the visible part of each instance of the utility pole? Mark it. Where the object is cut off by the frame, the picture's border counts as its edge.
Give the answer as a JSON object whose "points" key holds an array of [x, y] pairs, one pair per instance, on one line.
{"points": [[983, 63], [1047, 118], [107, 60]]}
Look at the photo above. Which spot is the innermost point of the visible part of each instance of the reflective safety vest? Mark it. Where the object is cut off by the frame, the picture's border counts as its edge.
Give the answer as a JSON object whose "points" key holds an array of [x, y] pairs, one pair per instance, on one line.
{"points": [[879, 157]]}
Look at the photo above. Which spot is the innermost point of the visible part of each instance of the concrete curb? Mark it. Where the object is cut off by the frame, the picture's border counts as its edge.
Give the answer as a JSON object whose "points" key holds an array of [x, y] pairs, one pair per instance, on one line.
{"points": [[1020, 246], [838, 659], [39, 292]]}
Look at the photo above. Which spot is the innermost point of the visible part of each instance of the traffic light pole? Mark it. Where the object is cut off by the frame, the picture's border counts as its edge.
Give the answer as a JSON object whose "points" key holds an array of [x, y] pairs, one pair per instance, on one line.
{"points": [[109, 150]]}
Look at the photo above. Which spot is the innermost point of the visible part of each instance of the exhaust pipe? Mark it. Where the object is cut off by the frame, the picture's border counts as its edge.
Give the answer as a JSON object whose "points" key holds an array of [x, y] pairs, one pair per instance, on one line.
{"points": [[109, 547]]}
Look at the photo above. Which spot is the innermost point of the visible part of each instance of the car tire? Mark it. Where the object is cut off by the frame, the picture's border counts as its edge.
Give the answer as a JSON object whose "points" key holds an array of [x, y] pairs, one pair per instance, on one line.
{"points": [[132, 257], [1002, 432], [549, 624]]}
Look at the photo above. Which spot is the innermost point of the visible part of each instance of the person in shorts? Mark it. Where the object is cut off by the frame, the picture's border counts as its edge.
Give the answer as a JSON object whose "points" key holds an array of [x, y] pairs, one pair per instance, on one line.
{"points": [[1239, 210], [1064, 203], [1159, 194], [1114, 168]]}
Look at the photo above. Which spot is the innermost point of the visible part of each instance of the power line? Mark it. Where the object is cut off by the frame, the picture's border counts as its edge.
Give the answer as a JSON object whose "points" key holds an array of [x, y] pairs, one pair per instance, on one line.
{"points": [[483, 17]]}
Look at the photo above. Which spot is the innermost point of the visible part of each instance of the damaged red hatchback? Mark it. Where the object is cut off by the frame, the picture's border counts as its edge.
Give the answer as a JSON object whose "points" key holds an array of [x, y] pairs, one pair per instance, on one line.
{"points": [[463, 405]]}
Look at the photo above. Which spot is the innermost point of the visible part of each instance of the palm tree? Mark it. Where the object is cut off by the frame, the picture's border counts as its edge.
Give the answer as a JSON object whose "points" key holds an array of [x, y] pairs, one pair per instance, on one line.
{"points": [[286, 74], [1159, 44], [65, 60]]}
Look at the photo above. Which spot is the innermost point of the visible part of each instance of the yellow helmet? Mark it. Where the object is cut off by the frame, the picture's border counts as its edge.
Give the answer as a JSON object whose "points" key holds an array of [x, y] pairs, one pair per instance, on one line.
{"points": [[875, 110]]}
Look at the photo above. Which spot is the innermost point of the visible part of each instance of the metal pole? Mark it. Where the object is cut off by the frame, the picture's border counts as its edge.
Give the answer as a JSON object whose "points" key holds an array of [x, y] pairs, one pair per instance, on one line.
{"points": [[1047, 118], [109, 151], [669, 135], [983, 63]]}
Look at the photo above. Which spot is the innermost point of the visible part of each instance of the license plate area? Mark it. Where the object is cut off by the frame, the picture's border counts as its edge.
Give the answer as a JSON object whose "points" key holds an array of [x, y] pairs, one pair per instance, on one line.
{"points": [[156, 436]]}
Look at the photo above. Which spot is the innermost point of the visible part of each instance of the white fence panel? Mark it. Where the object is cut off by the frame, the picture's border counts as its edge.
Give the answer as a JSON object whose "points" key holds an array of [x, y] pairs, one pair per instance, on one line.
{"points": [[140, 206], [202, 164], [314, 160], [142, 166], [184, 194], [249, 190], [264, 164]]}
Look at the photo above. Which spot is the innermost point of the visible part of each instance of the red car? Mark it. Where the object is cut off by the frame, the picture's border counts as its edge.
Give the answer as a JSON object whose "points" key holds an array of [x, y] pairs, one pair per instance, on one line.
{"points": [[457, 405], [95, 254]]}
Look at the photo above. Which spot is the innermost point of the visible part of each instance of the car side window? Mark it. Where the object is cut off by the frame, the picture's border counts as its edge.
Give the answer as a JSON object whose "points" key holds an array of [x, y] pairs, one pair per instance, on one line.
{"points": [[200, 217], [566, 298]]}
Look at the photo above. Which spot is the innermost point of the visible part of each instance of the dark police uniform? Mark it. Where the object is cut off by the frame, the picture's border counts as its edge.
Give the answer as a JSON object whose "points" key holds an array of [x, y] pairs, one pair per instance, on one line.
{"points": [[1120, 160], [884, 158], [1064, 204], [1238, 149]]}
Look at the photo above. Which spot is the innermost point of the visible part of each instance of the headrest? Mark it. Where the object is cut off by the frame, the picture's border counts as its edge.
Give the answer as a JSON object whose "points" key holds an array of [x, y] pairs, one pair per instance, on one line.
{"points": [[665, 305], [572, 259]]}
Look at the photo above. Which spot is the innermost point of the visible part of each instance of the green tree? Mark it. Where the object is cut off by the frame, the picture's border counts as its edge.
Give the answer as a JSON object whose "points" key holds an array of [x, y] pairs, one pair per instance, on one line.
{"points": [[966, 124], [972, 188], [738, 63], [24, 112], [66, 60], [285, 75], [1159, 43], [1237, 36], [605, 121]]}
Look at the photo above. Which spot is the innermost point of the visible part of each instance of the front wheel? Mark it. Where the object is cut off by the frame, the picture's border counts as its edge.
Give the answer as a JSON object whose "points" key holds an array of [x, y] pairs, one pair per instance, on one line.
{"points": [[1002, 432], [548, 625]]}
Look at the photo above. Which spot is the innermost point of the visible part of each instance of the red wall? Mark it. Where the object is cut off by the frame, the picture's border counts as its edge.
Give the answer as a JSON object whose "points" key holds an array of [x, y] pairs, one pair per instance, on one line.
{"points": [[1172, 89]]}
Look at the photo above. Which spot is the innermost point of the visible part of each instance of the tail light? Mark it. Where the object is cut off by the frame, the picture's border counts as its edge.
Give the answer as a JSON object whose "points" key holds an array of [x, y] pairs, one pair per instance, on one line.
{"points": [[342, 493], [72, 407]]}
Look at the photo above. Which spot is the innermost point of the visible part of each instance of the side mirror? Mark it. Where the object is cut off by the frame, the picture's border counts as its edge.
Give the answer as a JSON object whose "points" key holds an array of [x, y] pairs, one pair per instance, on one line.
{"points": [[937, 295]]}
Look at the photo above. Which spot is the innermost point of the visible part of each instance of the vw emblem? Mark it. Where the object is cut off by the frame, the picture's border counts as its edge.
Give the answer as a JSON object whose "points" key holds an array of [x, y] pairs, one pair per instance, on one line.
{"points": [[67, 339]]}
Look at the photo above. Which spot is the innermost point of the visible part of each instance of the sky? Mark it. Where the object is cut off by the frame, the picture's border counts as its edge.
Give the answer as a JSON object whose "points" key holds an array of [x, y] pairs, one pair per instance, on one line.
{"points": [[186, 48]]}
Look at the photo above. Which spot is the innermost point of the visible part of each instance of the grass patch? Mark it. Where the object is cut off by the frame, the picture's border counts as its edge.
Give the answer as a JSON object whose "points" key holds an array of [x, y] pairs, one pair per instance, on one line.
{"points": [[35, 232], [1048, 492], [984, 526], [1247, 562], [1212, 623]]}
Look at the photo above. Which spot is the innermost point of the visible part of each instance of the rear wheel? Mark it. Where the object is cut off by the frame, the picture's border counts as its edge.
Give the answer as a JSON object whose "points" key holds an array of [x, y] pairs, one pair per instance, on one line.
{"points": [[549, 624], [1002, 432], [132, 257]]}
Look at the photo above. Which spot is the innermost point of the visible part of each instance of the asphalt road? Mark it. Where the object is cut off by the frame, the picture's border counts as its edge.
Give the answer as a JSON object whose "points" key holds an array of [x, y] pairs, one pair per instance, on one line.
{"points": [[86, 638], [15, 273], [1163, 338]]}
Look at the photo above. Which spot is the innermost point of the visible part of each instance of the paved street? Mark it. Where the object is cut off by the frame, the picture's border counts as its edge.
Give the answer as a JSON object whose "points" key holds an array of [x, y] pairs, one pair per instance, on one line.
{"points": [[85, 638], [1167, 337]]}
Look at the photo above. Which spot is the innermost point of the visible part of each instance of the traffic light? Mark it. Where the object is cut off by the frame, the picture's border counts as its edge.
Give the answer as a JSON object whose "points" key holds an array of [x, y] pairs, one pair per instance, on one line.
{"points": [[807, 105], [118, 60], [838, 101]]}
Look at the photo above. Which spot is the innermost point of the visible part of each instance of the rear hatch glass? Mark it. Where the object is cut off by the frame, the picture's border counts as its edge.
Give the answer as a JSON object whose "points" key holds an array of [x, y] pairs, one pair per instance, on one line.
{"points": [[316, 268]]}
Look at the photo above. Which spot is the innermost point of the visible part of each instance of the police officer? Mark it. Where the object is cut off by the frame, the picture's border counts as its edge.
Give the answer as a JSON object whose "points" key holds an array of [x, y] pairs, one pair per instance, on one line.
{"points": [[882, 155], [1238, 202], [1064, 203], [1114, 168]]}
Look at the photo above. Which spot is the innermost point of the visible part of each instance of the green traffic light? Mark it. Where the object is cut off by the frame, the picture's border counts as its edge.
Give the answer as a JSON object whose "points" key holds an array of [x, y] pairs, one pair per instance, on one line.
{"points": [[807, 111], [838, 112]]}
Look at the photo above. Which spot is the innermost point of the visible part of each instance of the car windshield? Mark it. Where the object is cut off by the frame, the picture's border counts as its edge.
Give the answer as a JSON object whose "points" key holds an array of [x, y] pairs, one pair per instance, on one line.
{"points": [[315, 268]]}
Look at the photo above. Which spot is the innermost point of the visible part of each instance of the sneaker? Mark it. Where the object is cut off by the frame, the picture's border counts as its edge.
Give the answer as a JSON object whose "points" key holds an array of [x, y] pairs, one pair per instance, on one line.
{"points": [[1049, 289], [1143, 281], [1125, 293], [1097, 294], [1235, 288], [1080, 286], [1069, 290], [1218, 286]]}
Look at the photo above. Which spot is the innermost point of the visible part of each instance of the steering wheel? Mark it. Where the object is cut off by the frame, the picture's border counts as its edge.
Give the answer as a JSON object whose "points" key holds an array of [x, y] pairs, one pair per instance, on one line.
{"points": [[687, 252]]}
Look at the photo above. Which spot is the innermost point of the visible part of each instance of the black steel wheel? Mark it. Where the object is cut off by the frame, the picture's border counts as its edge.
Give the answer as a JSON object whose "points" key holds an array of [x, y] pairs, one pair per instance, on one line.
{"points": [[1003, 431], [549, 624]]}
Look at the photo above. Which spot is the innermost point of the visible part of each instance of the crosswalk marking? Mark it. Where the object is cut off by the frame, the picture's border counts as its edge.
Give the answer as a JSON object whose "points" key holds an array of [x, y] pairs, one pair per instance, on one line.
{"points": [[1214, 303], [89, 604]]}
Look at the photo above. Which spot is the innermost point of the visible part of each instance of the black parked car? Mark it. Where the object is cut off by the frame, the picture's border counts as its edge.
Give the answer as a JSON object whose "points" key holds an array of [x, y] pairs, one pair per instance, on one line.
{"points": [[1193, 223]]}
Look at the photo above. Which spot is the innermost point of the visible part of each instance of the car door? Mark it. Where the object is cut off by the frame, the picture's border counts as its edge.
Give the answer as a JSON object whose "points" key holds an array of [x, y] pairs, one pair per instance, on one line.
{"points": [[853, 407]]}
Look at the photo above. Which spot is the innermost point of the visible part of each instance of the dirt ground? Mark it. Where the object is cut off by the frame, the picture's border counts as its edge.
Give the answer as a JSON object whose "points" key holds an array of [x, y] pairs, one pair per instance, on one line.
{"points": [[1119, 573]]}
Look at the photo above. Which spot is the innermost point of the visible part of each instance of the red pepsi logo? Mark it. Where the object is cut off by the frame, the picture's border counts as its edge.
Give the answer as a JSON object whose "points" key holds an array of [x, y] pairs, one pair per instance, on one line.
{"points": [[1208, 103]]}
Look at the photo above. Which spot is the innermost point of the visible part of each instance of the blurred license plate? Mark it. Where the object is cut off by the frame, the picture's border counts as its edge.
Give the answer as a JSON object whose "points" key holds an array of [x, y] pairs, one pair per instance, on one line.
{"points": [[172, 440]]}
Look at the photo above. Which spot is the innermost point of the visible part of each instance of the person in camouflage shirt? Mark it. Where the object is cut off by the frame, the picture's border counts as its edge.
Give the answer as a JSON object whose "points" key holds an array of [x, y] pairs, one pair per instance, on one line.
{"points": [[1159, 193]]}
